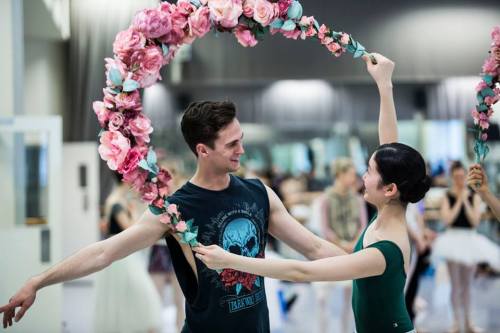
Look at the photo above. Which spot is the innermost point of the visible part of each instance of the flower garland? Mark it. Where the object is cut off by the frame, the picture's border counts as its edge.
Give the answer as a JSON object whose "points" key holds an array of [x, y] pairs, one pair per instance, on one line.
{"points": [[151, 42], [488, 93]]}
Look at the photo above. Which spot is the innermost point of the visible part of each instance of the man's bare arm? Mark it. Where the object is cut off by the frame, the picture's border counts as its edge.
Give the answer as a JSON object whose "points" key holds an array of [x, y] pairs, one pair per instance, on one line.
{"points": [[287, 229]]}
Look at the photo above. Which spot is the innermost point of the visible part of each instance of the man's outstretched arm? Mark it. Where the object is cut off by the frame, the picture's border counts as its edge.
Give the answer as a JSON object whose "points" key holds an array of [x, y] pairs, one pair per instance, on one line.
{"points": [[287, 229], [88, 260]]}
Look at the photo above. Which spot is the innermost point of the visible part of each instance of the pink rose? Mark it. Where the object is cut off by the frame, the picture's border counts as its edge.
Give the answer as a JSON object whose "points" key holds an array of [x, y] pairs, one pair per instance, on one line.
{"points": [[172, 50], [181, 226], [149, 192], [496, 52], [185, 7], [484, 136], [101, 112], [294, 34], [153, 23], [490, 100], [333, 47], [136, 178], [248, 6], [126, 42], [306, 21], [164, 176], [480, 86], [345, 39], [283, 6], [263, 12], [199, 22], [245, 37], [323, 30], [177, 33], [128, 101], [116, 121], [490, 66], [113, 148], [140, 127], [165, 219], [172, 209], [327, 40], [153, 60], [134, 156], [495, 35], [225, 12], [146, 79], [159, 202]]}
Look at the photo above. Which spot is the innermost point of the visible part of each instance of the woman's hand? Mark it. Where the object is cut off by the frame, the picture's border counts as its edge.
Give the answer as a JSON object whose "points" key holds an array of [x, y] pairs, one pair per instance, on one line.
{"points": [[213, 256], [477, 179], [382, 71]]}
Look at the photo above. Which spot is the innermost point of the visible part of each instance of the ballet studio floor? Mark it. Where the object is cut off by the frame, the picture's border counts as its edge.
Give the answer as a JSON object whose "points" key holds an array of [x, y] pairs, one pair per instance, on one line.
{"points": [[434, 317]]}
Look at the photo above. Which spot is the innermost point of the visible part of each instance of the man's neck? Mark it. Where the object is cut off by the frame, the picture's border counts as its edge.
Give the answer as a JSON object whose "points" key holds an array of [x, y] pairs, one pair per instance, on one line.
{"points": [[210, 180]]}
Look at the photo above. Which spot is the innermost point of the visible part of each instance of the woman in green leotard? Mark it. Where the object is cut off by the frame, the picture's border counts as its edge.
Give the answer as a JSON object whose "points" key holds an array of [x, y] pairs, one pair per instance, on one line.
{"points": [[396, 175]]}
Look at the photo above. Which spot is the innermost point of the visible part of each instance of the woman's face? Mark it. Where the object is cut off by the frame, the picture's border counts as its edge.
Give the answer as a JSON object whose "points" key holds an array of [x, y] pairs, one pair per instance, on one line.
{"points": [[374, 190], [348, 178], [458, 177]]}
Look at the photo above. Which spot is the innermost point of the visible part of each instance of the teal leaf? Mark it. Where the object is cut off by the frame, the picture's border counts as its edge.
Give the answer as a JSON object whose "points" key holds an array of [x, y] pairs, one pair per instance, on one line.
{"points": [[487, 92], [480, 99], [356, 49], [189, 224], [164, 48], [188, 236], [289, 25], [130, 85], [257, 281], [143, 164], [482, 107], [316, 24], [481, 149], [277, 24], [196, 3], [115, 76], [155, 210], [238, 288], [101, 132], [151, 158], [488, 79], [295, 11]]}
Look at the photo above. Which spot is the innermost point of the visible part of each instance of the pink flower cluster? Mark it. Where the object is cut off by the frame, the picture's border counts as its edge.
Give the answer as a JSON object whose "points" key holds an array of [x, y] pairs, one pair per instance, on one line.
{"points": [[488, 90]]}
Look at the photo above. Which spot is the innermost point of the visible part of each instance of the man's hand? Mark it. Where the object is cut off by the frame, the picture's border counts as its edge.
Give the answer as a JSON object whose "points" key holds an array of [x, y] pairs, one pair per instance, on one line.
{"points": [[477, 179], [24, 299], [382, 71]]}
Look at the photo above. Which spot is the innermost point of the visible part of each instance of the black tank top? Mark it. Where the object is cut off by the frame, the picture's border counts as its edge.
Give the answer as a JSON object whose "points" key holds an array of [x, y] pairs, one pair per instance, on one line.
{"points": [[236, 219], [461, 221]]}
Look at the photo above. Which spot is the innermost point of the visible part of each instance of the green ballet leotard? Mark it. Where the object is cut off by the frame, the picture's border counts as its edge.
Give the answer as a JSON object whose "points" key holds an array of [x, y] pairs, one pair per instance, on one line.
{"points": [[378, 302]]}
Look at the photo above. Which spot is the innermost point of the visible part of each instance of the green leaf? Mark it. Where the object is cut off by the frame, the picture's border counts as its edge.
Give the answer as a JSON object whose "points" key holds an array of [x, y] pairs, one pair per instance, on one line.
{"points": [[130, 85], [155, 210]]}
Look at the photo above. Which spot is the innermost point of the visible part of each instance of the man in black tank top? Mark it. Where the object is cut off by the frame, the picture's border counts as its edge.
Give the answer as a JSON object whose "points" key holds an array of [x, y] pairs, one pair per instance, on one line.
{"points": [[235, 213]]}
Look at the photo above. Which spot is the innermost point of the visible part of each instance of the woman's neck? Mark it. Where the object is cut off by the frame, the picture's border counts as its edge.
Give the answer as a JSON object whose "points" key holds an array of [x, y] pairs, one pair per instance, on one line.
{"points": [[390, 213]]}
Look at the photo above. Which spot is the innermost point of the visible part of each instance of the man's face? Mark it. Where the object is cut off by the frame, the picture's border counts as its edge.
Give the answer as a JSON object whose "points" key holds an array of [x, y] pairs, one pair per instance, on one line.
{"points": [[228, 148]]}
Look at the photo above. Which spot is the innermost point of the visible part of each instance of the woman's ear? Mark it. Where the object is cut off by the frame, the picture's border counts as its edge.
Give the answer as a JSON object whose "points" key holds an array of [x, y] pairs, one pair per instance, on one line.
{"points": [[390, 190]]}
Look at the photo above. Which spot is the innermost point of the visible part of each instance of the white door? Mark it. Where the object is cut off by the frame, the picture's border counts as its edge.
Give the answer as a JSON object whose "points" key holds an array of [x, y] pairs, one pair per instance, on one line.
{"points": [[30, 206]]}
